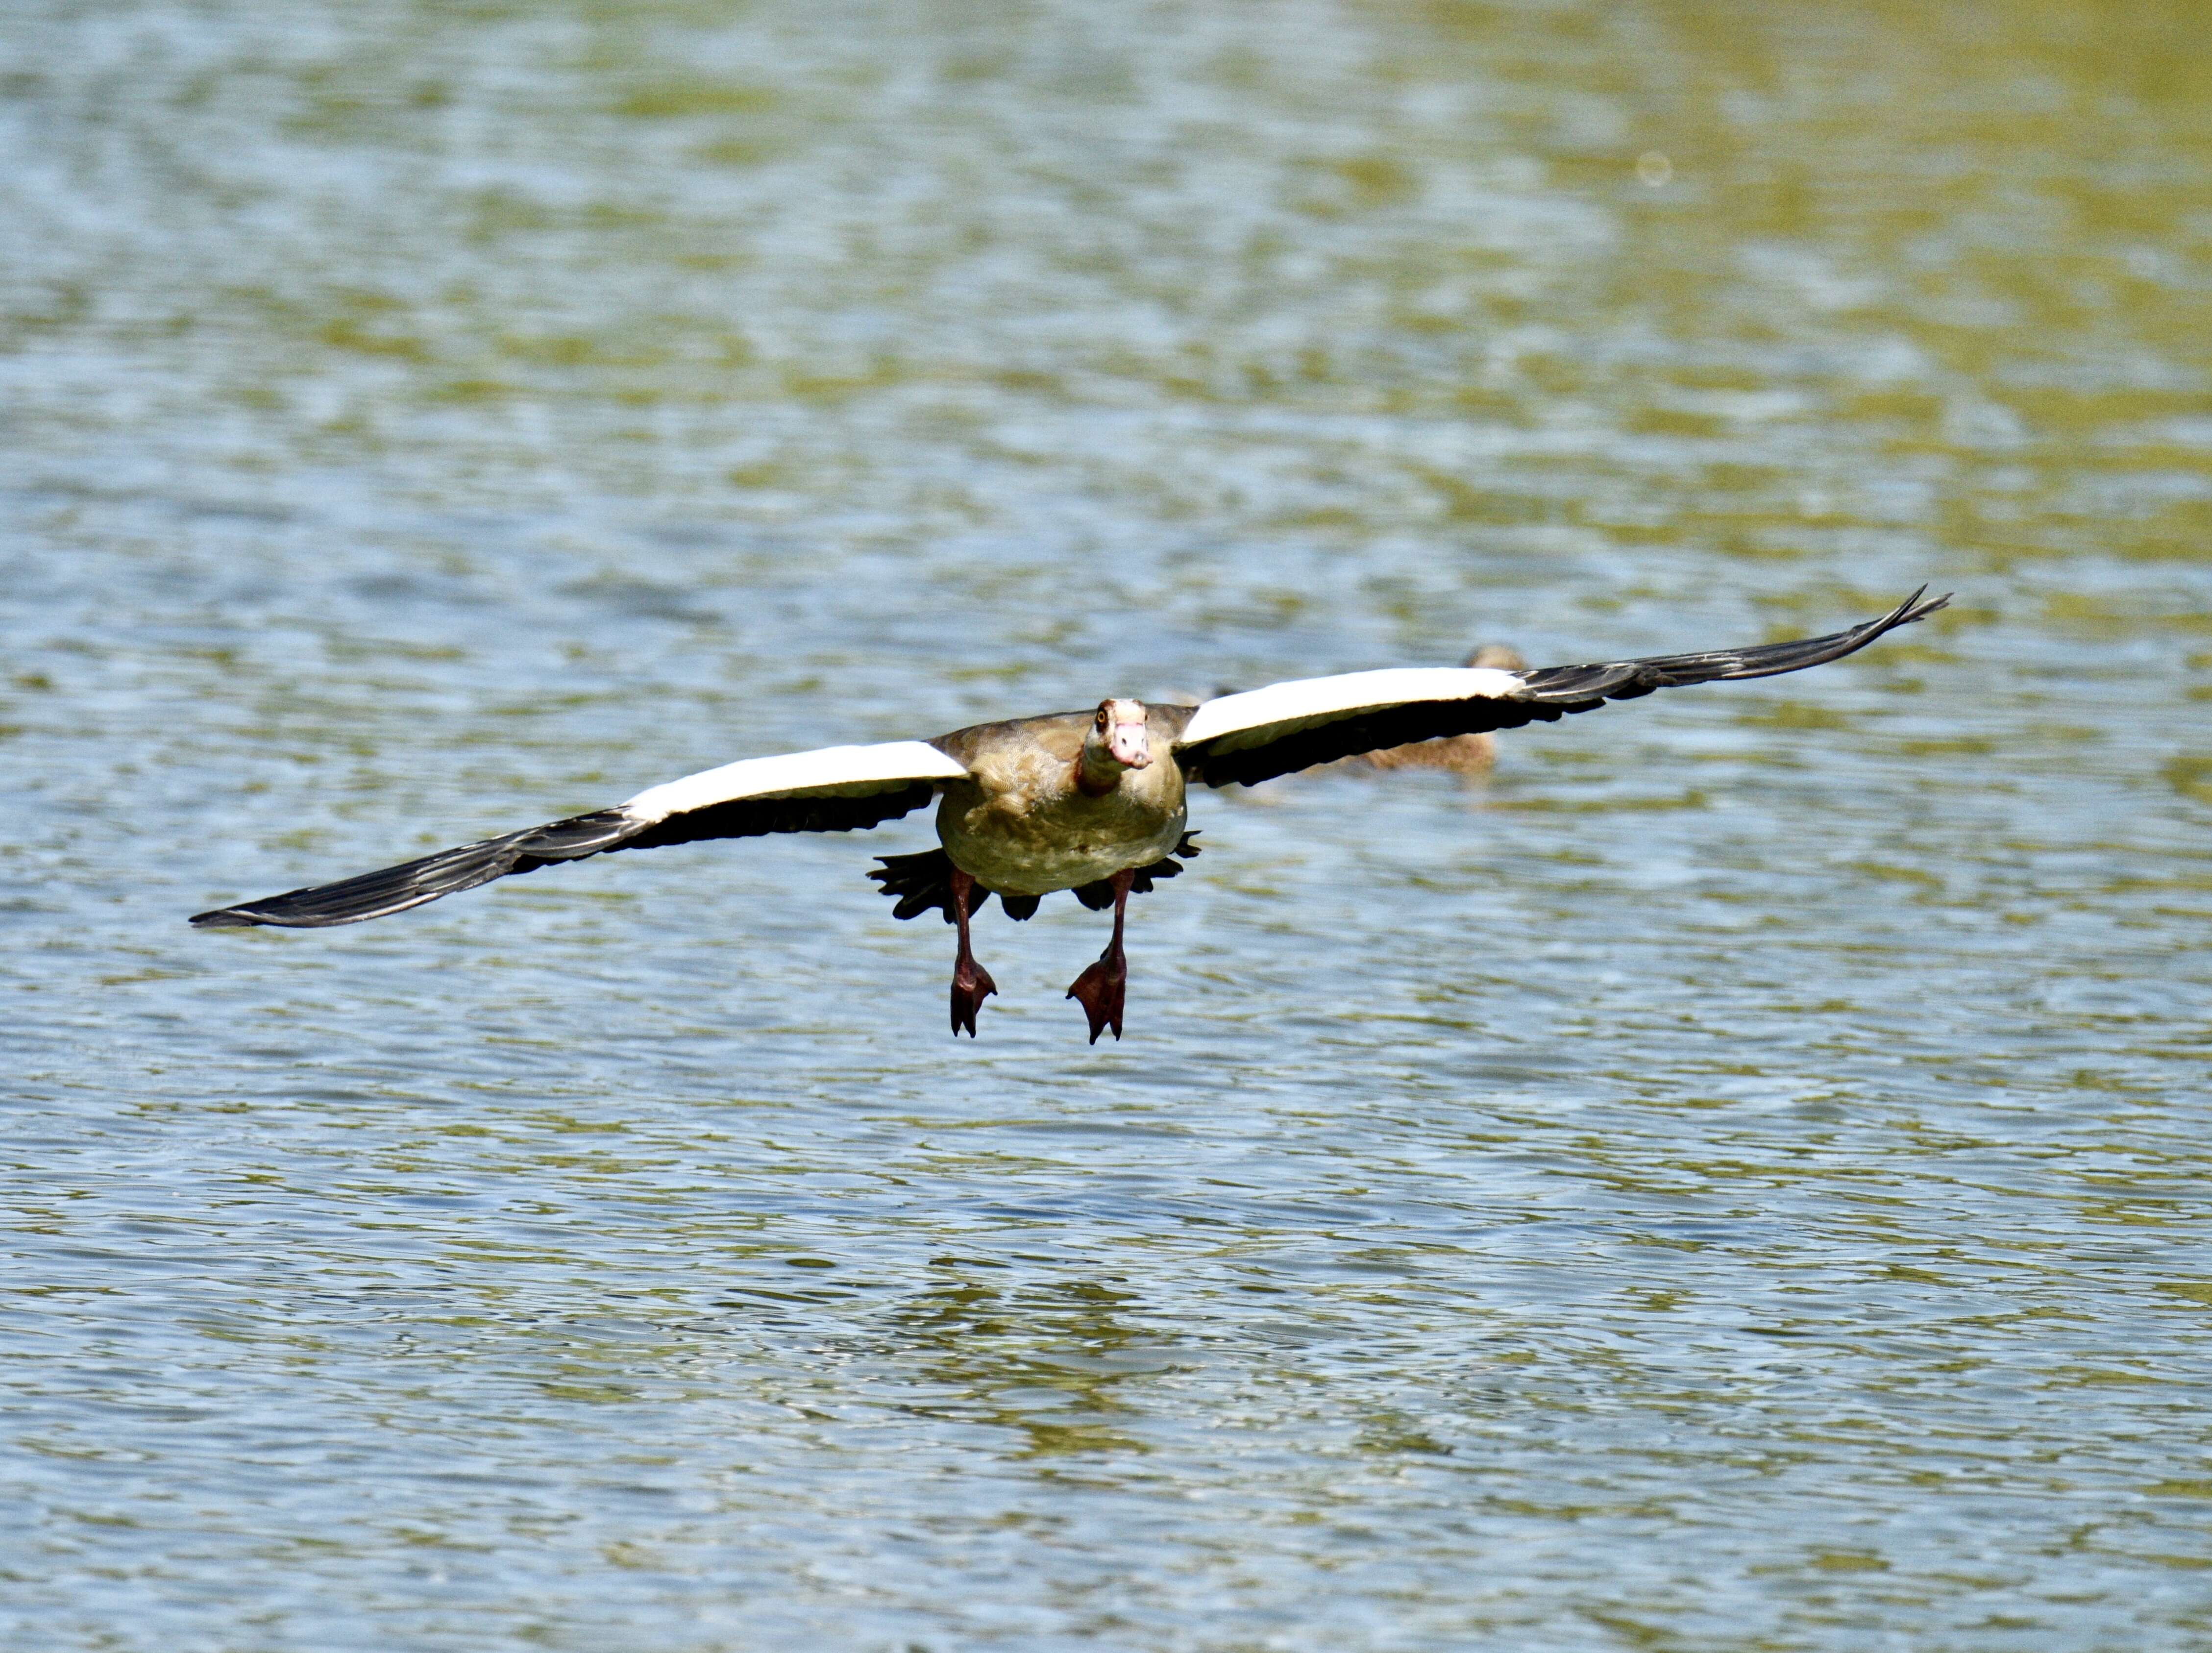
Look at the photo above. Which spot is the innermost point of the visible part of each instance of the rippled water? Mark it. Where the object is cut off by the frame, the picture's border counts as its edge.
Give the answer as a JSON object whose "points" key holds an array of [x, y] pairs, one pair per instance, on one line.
{"points": [[1734, 1179]]}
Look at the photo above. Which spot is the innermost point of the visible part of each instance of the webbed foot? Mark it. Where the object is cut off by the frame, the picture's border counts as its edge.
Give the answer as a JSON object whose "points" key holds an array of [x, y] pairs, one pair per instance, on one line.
{"points": [[1102, 990], [971, 986]]}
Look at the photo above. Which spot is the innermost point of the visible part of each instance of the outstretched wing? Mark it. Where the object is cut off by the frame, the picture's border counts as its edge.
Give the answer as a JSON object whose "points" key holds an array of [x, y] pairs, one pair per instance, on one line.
{"points": [[836, 789], [1242, 739]]}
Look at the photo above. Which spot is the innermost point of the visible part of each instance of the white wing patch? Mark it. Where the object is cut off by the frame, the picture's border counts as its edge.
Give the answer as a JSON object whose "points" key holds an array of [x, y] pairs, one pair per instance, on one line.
{"points": [[833, 771], [1260, 715]]}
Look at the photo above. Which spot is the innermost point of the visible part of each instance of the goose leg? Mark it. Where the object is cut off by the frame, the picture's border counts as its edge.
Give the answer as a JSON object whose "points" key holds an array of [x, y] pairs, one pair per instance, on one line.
{"points": [[971, 983], [1101, 987]]}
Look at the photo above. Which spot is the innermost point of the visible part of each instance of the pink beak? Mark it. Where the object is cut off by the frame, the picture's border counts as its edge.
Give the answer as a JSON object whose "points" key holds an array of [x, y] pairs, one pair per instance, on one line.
{"points": [[1131, 745]]}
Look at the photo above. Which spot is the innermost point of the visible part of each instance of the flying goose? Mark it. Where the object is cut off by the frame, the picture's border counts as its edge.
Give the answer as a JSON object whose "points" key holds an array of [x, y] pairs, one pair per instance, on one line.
{"points": [[1089, 801]]}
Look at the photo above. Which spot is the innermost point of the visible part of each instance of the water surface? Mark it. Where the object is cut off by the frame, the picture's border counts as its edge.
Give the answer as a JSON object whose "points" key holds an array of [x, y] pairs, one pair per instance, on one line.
{"points": [[1732, 1180]]}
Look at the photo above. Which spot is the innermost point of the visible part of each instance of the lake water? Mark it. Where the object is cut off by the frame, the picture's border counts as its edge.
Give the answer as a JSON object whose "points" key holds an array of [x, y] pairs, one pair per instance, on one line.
{"points": [[1734, 1179]]}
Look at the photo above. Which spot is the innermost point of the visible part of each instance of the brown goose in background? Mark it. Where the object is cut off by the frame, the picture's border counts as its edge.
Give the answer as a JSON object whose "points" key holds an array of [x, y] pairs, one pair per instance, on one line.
{"points": [[1471, 754], [1089, 801]]}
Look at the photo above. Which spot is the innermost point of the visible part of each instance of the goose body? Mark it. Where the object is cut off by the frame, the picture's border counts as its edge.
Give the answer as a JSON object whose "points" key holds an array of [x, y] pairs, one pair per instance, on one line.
{"points": [[1019, 823], [1094, 802]]}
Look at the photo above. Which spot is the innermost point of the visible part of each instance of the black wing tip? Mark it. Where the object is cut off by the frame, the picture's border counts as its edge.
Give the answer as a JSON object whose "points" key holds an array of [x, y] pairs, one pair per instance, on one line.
{"points": [[289, 913], [1913, 609], [1919, 606]]}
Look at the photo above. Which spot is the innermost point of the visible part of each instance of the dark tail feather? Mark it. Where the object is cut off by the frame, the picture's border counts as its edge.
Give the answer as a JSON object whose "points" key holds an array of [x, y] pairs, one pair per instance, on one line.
{"points": [[922, 881], [1100, 896], [396, 889], [1627, 679]]}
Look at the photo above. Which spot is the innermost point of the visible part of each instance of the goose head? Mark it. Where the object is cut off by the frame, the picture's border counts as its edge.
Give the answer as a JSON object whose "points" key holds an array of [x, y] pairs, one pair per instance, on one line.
{"points": [[1117, 740]]}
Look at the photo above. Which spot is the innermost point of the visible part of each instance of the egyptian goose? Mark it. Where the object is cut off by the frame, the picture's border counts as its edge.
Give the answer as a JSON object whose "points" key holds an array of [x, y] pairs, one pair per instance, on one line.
{"points": [[1089, 801]]}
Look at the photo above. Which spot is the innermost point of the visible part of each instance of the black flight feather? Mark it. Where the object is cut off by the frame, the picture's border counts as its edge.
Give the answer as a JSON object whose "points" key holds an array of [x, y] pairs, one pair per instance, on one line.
{"points": [[1553, 692], [396, 889]]}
